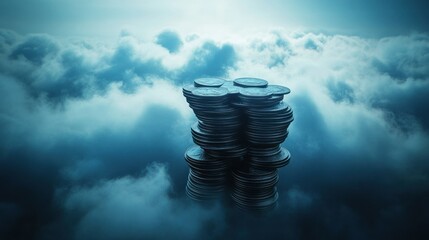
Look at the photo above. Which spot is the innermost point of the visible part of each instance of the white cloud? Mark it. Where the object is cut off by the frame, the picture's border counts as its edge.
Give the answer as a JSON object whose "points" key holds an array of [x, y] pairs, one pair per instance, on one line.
{"points": [[116, 111], [136, 208]]}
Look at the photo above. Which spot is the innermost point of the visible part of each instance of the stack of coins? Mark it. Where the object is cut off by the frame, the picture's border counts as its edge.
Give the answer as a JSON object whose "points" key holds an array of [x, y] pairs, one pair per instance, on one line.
{"points": [[267, 119], [254, 189], [218, 133], [240, 127], [207, 176]]}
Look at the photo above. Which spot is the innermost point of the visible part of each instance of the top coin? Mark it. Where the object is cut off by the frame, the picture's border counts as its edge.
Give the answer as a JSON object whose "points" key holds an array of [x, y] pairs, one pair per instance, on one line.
{"points": [[250, 82], [253, 92], [278, 90], [210, 92], [208, 82], [232, 89], [188, 88]]}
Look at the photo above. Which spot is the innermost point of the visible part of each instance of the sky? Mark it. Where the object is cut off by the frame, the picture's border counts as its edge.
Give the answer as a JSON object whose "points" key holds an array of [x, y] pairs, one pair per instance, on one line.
{"points": [[94, 125], [105, 18]]}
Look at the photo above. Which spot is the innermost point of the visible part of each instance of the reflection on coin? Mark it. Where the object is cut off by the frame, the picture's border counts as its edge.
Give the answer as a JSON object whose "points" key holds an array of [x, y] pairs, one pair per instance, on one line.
{"points": [[278, 90], [253, 92], [195, 152], [188, 88], [208, 82], [210, 92], [250, 82], [232, 89]]}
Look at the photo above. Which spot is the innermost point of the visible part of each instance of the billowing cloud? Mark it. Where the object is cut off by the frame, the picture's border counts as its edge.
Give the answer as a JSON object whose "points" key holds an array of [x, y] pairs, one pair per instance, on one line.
{"points": [[134, 208], [169, 40], [57, 71], [80, 122], [34, 49], [209, 60], [402, 61]]}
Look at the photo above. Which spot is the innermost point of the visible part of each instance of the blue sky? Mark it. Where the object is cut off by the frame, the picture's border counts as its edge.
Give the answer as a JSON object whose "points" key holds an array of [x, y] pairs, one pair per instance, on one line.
{"points": [[106, 18], [94, 125]]}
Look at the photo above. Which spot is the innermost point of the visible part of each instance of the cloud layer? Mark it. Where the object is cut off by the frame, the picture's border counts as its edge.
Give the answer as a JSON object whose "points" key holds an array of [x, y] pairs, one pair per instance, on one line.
{"points": [[93, 136], [134, 208]]}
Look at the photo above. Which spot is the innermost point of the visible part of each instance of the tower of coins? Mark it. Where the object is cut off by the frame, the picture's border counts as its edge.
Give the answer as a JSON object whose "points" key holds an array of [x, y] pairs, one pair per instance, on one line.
{"points": [[241, 125]]}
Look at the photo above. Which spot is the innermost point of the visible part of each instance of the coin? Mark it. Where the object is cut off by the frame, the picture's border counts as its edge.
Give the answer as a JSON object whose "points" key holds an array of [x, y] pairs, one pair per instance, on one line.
{"points": [[278, 90], [208, 82], [207, 175], [250, 82], [254, 189], [232, 89], [255, 93], [188, 88], [278, 160], [206, 92]]}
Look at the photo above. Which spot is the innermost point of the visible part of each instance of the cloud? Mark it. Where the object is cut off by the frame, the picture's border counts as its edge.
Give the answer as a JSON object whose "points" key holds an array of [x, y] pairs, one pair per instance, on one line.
{"points": [[209, 60], [34, 49], [169, 40], [79, 122], [45, 148], [57, 71], [135, 208], [351, 155], [402, 61]]}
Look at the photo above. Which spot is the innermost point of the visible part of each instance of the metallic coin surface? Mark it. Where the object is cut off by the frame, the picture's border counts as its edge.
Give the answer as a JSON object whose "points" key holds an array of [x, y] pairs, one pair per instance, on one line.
{"points": [[188, 88], [208, 82], [232, 89], [278, 90], [210, 92], [255, 93], [250, 82]]}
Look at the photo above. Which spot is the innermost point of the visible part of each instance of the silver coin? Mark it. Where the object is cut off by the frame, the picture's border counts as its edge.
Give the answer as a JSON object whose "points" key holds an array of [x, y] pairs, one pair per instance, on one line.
{"points": [[276, 161], [281, 106], [195, 153], [188, 88], [208, 82], [210, 92], [278, 90], [250, 82], [232, 89], [262, 204], [253, 93]]}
